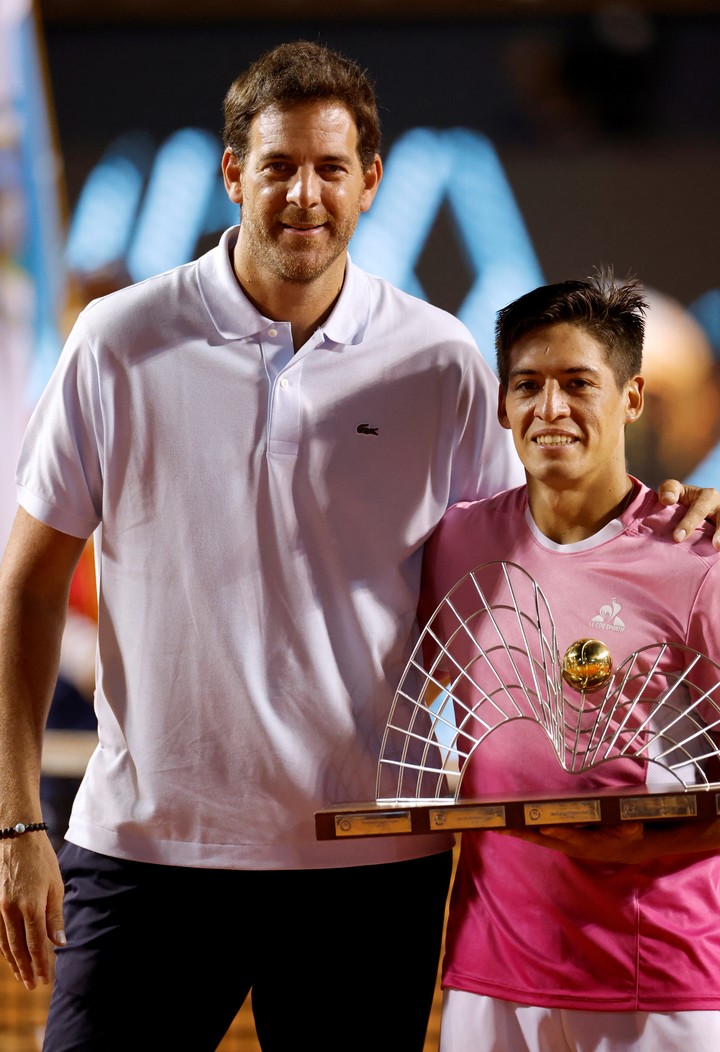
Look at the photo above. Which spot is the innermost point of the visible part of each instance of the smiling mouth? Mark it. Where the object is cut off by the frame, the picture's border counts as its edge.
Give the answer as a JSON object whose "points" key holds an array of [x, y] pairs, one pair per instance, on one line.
{"points": [[303, 223], [554, 440]]}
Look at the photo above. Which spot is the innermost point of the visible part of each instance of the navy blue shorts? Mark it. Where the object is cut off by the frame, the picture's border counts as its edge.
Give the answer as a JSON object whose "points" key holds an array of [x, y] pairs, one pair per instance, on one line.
{"points": [[162, 958]]}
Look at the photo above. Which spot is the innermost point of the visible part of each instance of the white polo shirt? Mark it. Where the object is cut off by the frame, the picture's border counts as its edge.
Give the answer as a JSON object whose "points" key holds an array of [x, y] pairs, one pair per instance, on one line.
{"points": [[261, 516]]}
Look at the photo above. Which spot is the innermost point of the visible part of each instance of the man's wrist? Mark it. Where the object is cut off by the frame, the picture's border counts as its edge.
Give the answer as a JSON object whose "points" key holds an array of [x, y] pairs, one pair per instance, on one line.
{"points": [[10, 832]]}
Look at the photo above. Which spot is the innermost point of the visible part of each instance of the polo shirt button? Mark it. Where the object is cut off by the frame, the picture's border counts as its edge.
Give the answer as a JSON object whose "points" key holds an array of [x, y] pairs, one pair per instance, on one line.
{"points": [[284, 383], [272, 332]]}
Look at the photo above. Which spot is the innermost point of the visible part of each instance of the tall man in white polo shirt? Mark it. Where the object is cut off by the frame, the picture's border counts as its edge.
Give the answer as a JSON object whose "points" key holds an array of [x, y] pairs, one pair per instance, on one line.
{"points": [[261, 441]]}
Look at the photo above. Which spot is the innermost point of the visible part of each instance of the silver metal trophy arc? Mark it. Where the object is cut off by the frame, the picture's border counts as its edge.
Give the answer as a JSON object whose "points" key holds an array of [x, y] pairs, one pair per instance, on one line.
{"points": [[489, 656]]}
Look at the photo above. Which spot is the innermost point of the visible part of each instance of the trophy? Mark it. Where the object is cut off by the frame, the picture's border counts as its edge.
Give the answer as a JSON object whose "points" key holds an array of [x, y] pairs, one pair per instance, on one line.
{"points": [[489, 656]]}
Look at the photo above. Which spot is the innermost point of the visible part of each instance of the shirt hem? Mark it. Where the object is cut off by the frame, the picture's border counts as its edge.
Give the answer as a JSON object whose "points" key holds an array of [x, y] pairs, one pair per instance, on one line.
{"points": [[323, 855], [592, 1001]]}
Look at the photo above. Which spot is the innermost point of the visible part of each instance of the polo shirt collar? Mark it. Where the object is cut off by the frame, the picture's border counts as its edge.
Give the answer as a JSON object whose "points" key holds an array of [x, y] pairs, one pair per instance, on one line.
{"points": [[231, 311], [236, 318], [351, 315]]}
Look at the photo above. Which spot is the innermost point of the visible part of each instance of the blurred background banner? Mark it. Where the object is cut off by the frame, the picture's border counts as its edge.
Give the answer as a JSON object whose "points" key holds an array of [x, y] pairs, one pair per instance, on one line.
{"points": [[32, 234], [34, 227]]}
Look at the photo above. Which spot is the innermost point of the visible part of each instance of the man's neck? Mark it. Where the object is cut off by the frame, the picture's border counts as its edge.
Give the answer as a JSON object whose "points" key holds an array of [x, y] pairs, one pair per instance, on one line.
{"points": [[306, 305], [570, 515]]}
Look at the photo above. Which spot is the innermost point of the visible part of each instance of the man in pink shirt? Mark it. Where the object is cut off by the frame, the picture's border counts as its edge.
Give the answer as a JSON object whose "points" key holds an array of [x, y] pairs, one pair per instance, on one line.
{"points": [[603, 938]]}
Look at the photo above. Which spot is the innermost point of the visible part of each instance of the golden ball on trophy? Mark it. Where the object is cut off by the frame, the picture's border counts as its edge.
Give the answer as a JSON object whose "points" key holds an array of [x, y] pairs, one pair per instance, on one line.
{"points": [[587, 665]]}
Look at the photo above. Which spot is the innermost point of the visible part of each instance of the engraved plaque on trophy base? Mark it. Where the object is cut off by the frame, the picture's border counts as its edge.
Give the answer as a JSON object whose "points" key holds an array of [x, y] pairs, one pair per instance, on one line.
{"points": [[606, 807]]}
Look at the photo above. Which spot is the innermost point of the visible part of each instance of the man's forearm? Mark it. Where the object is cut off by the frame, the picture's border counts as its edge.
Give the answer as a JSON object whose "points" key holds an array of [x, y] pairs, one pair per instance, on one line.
{"points": [[35, 576], [30, 636]]}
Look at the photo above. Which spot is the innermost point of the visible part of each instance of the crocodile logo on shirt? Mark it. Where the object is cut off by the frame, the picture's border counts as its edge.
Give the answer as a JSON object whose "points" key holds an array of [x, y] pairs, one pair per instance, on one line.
{"points": [[366, 429], [608, 618]]}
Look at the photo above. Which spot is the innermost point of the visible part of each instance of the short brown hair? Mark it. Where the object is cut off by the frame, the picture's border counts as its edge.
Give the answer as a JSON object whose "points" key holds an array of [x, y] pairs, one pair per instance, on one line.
{"points": [[612, 312], [298, 72]]}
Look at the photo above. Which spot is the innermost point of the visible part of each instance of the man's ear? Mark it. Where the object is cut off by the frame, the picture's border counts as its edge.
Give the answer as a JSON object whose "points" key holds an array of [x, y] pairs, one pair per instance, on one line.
{"points": [[635, 399], [372, 177], [232, 176], [501, 412]]}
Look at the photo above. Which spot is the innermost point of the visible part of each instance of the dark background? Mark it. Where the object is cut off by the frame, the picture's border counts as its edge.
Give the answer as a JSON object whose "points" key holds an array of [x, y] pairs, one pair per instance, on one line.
{"points": [[606, 119]]}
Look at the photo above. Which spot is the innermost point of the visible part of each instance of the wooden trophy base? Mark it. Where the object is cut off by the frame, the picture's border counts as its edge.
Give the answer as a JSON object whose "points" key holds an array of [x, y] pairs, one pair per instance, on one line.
{"points": [[606, 807]]}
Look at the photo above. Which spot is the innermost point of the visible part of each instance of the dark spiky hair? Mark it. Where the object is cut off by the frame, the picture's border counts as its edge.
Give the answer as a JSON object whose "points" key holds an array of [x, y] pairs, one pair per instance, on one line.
{"points": [[611, 311]]}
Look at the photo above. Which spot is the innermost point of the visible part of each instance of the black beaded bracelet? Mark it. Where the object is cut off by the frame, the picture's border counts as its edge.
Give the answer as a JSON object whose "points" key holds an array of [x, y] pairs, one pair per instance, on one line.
{"points": [[17, 830]]}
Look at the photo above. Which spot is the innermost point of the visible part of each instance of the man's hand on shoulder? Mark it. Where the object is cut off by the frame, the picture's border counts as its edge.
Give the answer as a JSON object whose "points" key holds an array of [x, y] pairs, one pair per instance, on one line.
{"points": [[701, 504]]}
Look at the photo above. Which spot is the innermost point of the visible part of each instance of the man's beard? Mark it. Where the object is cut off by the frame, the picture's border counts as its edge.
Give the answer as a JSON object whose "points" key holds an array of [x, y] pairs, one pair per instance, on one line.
{"points": [[302, 262]]}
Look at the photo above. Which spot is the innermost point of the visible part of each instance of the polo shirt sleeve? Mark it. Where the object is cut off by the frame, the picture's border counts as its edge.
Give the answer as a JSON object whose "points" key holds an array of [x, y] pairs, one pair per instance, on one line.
{"points": [[485, 461], [59, 473]]}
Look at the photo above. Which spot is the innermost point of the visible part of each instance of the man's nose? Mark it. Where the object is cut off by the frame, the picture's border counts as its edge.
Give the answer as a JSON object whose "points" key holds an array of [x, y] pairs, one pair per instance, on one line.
{"points": [[304, 189], [551, 402]]}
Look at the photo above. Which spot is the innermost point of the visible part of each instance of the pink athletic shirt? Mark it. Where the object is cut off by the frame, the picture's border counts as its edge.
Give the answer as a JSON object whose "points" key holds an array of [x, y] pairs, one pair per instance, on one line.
{"points": [[529, 924]]}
